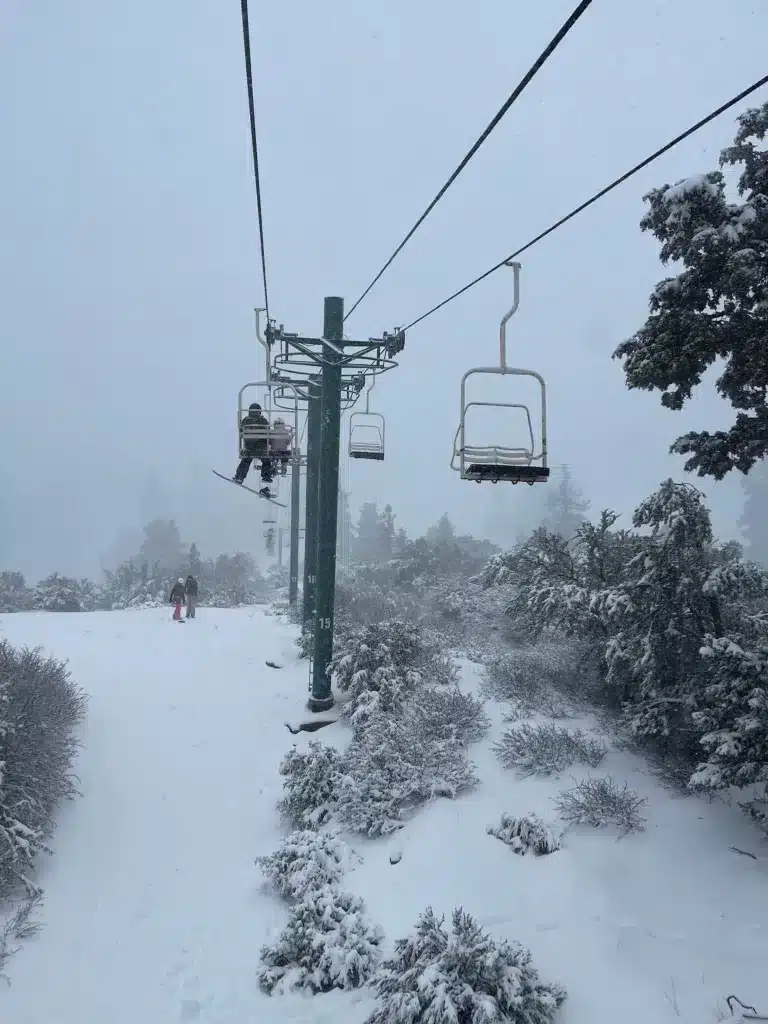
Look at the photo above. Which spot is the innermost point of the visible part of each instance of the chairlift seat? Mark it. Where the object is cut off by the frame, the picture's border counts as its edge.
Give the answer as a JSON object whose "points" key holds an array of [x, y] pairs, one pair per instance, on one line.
{"points": [[366, 450], [514, 474]]}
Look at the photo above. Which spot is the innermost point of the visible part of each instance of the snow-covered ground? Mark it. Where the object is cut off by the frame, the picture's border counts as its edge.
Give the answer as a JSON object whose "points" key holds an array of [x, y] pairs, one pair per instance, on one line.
{"points": [[155, 913]]}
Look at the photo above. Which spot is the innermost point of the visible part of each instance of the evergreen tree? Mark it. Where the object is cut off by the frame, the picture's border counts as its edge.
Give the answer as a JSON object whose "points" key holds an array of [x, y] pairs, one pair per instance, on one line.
{"points": [[195, 562], [162, 546], [368, 541], [754, 518], [387, 532], [716, 308], [441, 533], [566, 505]]}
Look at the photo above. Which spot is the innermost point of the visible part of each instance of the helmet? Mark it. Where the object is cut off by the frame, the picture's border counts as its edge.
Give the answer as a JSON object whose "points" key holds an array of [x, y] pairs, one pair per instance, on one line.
{"points": [[280, 421], [180, 579], [254, 407]]}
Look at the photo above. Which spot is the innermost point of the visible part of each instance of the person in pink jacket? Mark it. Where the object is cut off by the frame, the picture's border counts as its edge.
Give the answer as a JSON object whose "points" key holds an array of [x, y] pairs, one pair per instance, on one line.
{"points": [[281, 443]]}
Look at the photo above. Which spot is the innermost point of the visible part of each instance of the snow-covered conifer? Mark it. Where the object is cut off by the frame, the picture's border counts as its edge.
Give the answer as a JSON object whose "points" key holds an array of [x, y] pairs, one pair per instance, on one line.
{"points": [[58, 594], [15, 596], [461, 977], [715, 308], [733, 715], [305, 861], [311, 784], [327, 943], [391, 767]]}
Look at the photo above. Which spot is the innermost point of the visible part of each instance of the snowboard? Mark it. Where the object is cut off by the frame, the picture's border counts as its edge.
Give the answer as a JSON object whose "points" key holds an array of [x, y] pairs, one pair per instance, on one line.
{"points": [[245, 487], [273, 664]]}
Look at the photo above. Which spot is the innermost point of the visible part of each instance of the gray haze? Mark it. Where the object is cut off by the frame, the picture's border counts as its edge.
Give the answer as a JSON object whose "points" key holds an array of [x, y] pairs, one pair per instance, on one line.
{"points": [[129, 254]]}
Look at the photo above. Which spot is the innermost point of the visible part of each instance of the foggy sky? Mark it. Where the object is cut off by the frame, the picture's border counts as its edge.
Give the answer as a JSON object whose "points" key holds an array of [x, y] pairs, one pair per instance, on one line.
{"points": [[129, 246]]}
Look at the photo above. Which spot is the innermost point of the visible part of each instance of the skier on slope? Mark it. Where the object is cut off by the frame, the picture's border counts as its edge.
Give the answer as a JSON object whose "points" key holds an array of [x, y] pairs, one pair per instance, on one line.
{"points": [[190, 588], [177, 598], [256, 448]]}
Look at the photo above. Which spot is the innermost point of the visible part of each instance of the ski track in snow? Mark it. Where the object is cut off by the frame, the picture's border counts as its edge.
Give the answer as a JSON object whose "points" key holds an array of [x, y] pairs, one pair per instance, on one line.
{"points": [[154, 912]]}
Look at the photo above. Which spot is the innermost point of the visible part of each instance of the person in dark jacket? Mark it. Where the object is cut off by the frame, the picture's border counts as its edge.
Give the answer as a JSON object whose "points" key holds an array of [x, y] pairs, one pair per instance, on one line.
{"points": [[178, 595], [190, 588], [256, 448]]}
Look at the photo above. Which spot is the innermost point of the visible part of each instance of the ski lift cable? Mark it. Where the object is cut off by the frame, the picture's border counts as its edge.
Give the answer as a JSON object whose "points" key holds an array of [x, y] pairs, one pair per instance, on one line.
{"points": [[599, 195], [254, 143], [539, 63]]}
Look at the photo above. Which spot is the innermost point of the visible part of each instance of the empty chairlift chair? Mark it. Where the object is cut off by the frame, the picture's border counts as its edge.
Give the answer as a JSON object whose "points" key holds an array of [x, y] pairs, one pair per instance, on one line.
{"points": [[520, 463], [366, 432]]}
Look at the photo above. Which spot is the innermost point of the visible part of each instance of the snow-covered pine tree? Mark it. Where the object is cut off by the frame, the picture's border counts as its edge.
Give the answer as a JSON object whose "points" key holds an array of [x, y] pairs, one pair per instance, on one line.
{"points": [[392, 766], [733, 714], [311, 785], [15, 595], [566, 507], [716, 308], [682, 587], [754, 518], [58, 594], [306, 860], [461, 978], [327, 943]]}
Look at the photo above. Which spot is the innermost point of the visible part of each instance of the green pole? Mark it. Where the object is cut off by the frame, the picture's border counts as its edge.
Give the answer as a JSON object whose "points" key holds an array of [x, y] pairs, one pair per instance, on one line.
{"points": [[293, 563], [330, 432], [311, 499]]}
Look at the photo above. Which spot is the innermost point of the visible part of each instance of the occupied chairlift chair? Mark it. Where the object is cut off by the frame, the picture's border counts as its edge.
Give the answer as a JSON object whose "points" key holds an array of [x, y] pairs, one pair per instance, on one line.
{"points": [[249, 432], [497, 462], [366, 432]]}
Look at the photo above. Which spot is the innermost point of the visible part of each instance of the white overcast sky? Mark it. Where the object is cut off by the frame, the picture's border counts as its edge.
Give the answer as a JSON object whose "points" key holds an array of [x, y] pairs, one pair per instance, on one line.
{"points": [[129, 247]]}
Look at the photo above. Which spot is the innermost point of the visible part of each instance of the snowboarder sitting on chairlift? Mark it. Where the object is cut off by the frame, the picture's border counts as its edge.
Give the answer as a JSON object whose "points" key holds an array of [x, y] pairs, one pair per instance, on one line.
{"points": [[256, 448], [178, 595], [281, 436]]}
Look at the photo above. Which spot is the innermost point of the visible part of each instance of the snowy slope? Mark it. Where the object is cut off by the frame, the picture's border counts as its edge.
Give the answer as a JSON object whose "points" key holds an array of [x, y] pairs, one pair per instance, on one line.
{"points": [[155, 913]]}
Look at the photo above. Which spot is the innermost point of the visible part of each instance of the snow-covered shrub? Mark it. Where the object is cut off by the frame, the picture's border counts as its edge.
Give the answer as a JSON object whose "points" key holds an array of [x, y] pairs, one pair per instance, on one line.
{"points": [[19, 926], [461, 977], [757, 810], [445, 713], [39, 710], [547, 748], [600, 801], [391, 767], [15, 595], [373, 666], [733, 715], [533, 678], [327, 943], [306, 860], [311, 784], [526, 833], [61, 594]]}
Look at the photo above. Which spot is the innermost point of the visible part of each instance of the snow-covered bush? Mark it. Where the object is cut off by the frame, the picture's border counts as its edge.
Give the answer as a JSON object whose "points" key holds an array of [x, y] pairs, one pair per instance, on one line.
{"points": [[63, 594], [525, 834], [733, 715], [327, 943], [39, 710], [372, 666], [305, 861], [445, 713], [533, 678], [15, 595], [461, 977], [601, 801], [311, 785], [547, 749], [391, 767], [757, 810]]}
